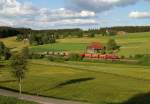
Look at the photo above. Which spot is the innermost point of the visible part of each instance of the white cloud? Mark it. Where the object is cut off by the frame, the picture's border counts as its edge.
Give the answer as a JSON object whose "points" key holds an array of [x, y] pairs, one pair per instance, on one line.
{"points": [[64, 13], [87, 13], [24, 15], [80, 12], [137, 14], [62, 17], [98, 5], [15, 8], [36, 24], [59, 17], [5, 22], [76, 22]]}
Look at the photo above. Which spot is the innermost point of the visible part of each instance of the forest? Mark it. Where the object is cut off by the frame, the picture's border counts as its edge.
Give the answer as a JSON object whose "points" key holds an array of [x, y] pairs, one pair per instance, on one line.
{"points": [[76, 32]]}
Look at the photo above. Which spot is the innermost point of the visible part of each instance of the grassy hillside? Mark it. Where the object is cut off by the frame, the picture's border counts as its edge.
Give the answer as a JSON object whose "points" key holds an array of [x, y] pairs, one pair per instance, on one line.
{"points": [[83, 81], [131, 44], [9, 100], [71, 47], [92, 82], [13, 44]]}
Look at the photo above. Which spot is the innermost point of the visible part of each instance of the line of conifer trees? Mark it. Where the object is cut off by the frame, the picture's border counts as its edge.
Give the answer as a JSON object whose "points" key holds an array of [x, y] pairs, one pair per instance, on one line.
{"points": [[62, 33]]}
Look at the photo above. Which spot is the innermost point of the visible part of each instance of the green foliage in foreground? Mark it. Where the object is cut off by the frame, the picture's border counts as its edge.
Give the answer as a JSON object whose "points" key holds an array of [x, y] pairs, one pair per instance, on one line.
{"points": [[18, 66], [9, 100], [4, 51], [82, 81]]}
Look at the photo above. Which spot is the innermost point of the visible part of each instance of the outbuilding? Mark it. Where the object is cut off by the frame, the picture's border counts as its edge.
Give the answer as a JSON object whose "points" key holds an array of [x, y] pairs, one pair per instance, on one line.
{"points": [[94, 47]]}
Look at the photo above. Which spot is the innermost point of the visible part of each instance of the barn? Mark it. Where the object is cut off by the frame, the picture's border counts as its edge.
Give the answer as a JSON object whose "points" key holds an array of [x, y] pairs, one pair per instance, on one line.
{"points": [[94, 47]]}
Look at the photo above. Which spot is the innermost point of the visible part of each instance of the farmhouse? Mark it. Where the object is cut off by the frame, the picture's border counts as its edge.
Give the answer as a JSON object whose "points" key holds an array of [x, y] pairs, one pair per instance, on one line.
{"points": [[94, 47]]}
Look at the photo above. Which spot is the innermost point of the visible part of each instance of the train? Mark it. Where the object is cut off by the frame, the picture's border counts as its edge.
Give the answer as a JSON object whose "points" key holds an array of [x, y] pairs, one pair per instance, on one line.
{"points": [[84, 55], [100, 56]]}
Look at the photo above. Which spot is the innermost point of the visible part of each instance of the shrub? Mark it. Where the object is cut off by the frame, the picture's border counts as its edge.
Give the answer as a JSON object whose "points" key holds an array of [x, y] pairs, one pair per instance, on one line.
{"points": [[36, 56], [138, 56], [56, 58], [19, 37], [92, 35], [75, 57], [42, 38], [131, 57], [122, 57], [145, 60], [25, 52], [112, 46], [4, 52]]}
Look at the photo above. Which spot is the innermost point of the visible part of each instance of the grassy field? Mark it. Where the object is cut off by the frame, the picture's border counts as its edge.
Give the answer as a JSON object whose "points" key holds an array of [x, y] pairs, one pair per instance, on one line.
{"points": [[13, 44], [9, 100], [83, 81], [131, 44], [71, 47], [91, 82]]}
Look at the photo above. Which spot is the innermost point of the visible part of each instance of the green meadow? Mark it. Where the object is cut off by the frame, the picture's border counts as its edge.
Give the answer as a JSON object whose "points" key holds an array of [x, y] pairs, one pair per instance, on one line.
{"points": [[82, 81], [71, 47], [97, 83], [131, 44]]}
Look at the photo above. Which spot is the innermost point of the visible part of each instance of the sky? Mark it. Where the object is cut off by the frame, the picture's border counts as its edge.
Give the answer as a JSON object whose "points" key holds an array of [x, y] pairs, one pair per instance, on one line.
{"points": [[85, 14]]}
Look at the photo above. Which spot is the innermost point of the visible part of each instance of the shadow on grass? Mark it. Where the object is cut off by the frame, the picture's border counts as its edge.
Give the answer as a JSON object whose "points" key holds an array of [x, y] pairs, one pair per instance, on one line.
{"points": [[74, 81], [1, 66], [139, 99]]}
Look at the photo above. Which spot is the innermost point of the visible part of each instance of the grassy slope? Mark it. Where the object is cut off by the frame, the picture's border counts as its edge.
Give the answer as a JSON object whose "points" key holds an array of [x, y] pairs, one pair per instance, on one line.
{"points": [[13, 44], [111, 83], [137, 43], [9, 100], [71, 47]]}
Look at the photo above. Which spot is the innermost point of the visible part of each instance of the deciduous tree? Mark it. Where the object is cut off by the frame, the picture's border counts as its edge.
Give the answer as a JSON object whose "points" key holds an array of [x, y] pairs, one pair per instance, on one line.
{"points": [[19, 68]]}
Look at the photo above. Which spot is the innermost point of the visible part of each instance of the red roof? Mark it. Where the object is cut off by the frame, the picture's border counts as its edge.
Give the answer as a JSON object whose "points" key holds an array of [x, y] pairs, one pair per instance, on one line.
{"points": [[95, 45]]}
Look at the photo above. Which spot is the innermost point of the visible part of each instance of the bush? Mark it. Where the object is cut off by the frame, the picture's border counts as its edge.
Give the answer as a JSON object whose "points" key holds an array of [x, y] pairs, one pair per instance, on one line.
{"points": [[75, 57], [138, 56], [145, 60], [57, 58], [19, 37], [25, 52], [36, 56], [122, 57], [42, 38], [4, 52], [92, 35], [131, 57], [112, 46]]}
